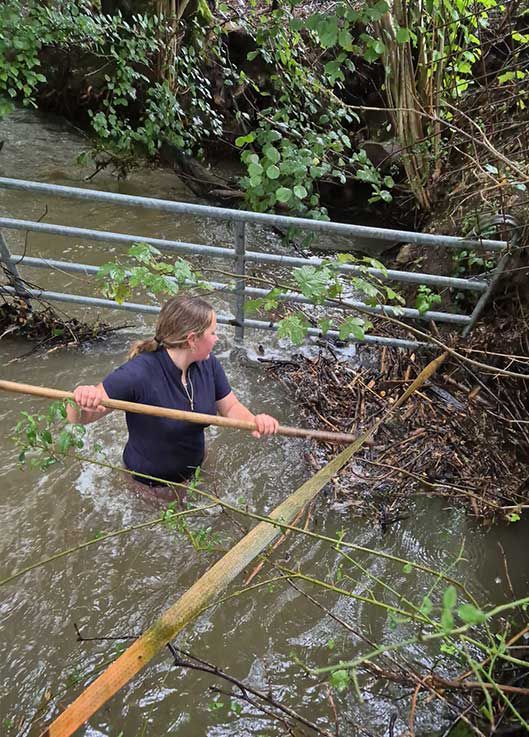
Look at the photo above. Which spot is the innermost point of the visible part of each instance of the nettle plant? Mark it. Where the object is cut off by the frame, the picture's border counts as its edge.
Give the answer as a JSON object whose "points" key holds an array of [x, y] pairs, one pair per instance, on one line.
{"points": [[323, 284], [147, 271]]}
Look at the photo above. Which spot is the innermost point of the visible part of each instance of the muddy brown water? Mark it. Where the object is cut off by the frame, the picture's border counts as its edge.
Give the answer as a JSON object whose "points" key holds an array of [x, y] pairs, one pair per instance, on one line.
{"points": [[117, 588]]}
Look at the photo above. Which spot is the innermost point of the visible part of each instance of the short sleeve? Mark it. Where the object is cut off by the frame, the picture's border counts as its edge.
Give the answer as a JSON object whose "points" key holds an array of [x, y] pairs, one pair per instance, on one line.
{"points": [[222, 385], [124, 382]]}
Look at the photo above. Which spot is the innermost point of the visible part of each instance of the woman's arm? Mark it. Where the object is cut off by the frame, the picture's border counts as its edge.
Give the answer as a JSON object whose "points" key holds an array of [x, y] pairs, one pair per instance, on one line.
{"points": [[231, 407], [89, 409]]}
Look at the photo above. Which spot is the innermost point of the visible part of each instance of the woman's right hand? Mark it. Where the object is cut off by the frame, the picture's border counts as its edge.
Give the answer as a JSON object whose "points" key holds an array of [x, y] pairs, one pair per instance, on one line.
{"points": [[89, 408], [89, 398]]}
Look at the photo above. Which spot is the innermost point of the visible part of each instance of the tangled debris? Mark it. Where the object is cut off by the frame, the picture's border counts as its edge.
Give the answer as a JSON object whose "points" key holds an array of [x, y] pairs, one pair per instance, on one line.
{"points": [[464, 435], [45, 327]]}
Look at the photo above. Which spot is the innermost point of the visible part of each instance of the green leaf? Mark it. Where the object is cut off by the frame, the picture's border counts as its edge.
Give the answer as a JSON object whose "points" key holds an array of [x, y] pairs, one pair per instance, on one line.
{"points": [[426, 606], [333, 70], [300, 191], [293, 327], [272, 172], [327, 31], [255, 170], [352, 326], [449, 597], [243, 140], [447, 621], [46, 436], [143, 252], [403, 35], [345, 39], [271, 153], [339, 680], [313, 281], [283, 194], [469, 614]]}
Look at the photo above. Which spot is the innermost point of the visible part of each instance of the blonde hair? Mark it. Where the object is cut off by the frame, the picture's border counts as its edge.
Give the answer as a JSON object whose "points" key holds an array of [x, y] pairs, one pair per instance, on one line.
{"points": [[178, 317]]}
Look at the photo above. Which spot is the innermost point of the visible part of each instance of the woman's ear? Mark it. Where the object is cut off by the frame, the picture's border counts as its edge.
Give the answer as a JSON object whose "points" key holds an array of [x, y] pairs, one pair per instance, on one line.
{"points": [[191, 341]]}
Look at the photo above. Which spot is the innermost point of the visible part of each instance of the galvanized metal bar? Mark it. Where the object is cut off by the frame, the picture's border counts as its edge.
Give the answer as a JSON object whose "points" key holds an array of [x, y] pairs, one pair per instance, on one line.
{"points": [[240, 267], [368, 339], [482, 302], [503, 221], [389, 275], [221, 318], [106, 236], [251, 256], [282, 221], [11, 269], [475, 285], [408, 312]]}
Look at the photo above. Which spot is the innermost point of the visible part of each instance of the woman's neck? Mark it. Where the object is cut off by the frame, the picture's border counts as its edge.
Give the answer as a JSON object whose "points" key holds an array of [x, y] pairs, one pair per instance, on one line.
{"points": [[182, 358]]}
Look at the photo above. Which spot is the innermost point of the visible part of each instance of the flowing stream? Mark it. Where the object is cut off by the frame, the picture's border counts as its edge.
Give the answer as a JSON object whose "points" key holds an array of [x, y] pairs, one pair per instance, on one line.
{"points": [[117, 588]]}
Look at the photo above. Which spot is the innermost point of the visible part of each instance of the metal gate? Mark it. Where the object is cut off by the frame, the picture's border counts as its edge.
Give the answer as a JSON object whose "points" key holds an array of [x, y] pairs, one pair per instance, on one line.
{"points": [[241, 256]]}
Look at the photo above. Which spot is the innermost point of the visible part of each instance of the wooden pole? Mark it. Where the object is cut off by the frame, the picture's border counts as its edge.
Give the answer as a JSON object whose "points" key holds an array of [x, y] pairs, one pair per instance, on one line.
{"points": [[212, 583], [177, 414]]}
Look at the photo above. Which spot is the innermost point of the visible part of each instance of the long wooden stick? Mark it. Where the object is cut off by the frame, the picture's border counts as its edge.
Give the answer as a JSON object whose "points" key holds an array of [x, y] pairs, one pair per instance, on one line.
{"points": [[177, 414], [215, 580]]}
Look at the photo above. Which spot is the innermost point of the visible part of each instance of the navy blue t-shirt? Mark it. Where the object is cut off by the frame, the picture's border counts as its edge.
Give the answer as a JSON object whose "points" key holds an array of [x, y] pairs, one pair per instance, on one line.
{"points": [[168, 449]]}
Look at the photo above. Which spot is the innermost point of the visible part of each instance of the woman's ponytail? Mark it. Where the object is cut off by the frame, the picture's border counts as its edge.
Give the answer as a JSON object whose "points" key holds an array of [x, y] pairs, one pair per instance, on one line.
{"points": [[143, 346]]}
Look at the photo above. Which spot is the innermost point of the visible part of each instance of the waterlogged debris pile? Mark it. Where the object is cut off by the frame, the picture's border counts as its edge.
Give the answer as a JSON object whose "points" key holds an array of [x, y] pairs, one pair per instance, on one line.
{"points": [[461, 436], [47, 328]]}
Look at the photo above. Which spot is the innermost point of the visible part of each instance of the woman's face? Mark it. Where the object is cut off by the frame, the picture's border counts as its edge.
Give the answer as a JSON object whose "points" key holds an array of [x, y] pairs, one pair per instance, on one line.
{"points": [[203, 345]]}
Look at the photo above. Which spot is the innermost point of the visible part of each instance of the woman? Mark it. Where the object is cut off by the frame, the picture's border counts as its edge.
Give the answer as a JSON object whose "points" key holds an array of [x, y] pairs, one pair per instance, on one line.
{"points": [[174, 369]]}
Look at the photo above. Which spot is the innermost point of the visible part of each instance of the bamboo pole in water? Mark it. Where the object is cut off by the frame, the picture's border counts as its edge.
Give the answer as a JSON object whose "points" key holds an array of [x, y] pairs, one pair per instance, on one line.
{"points": [[177, 414], [211, 584]]}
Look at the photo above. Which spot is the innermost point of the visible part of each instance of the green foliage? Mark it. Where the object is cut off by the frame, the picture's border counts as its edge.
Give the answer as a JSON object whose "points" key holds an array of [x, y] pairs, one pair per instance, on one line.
{"points": [[426, 299], [303, 138], [294, 327], [137, 110], [323, 283], [20, 67], [469, 263], [147, 271], [340, 679], [44, 438], [469, 614], [216, 704]]}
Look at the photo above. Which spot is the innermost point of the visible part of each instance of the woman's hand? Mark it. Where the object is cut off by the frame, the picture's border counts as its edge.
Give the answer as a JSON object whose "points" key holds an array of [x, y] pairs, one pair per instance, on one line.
{"points": [[89, 408], [89, 398], [266, 425], [231, 407]]}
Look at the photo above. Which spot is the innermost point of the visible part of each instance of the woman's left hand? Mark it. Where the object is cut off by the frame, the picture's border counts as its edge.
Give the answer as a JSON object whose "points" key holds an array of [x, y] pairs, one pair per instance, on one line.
{"points": [[266, 425]]}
